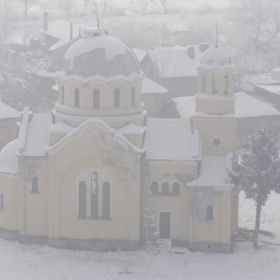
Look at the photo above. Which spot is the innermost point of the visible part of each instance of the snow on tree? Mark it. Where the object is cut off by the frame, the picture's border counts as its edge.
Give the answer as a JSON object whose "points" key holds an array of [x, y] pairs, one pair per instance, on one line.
{"points": [[258, 169]]}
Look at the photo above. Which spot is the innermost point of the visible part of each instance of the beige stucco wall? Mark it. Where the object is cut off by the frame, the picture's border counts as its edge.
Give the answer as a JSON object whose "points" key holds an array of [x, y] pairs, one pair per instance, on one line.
{"points": [[211, 128], [178, 205], [9, 217], [65, 169]]}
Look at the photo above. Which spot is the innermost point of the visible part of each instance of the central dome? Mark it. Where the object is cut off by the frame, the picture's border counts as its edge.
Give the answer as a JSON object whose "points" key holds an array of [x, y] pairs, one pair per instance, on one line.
{"points": [[99, 54], [215, 57]]}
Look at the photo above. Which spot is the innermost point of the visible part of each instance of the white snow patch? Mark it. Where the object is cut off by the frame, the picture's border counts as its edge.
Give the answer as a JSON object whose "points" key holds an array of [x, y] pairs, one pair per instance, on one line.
{"points": [[8, 158]]}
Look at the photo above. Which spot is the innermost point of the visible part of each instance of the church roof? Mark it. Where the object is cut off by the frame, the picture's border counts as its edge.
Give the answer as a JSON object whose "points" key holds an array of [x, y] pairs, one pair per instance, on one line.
{"points": [[186, 105], [140, 54], [151, 87], [99, 54], [7, 112], [9, 159], [169, 139]]}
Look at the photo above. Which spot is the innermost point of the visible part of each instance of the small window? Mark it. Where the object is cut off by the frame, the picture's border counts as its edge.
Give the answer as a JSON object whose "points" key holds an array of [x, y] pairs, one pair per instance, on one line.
{"points": [[210, 213], [82, 208], [154, 187], [106, 203], [214, 85], [94, 194], [2, 203], [133, 96], [176, 188], [117, 98], [203, 84], [77, 98], [62, 95], [216, 141], [35, 185], [165, 188], [226, 85], [96, 98]]}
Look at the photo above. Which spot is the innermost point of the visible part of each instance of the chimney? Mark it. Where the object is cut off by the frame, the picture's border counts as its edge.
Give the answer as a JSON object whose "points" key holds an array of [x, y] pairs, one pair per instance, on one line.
{"points": [[71, 31], [203, 47], [191, 52], [46, 21]]}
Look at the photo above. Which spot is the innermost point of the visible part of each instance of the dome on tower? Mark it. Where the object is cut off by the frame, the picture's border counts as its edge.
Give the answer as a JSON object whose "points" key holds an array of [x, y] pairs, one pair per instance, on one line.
{"points": [[215, 57], [99, 54]]}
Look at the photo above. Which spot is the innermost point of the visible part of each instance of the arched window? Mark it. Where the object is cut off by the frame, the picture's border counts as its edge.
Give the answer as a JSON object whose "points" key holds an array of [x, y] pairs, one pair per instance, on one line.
{"points": [[226, 84], [165, 188], [62, 95], [96, 98], [2, 202], [35, 185], [154, 187], [106, 201], [214, 85], [203, 84], [176, 188], [133, 96], [117, 98], [77, 98], [210, 213], [82, 208], [94, 194]]}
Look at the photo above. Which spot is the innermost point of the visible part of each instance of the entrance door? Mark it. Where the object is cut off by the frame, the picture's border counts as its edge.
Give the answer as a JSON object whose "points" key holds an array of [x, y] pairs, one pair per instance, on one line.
{"points": [[165, 225]]}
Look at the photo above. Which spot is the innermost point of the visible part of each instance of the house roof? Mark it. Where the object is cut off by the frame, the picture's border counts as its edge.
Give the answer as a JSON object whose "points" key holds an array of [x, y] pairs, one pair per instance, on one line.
{"points": [[151, 87], [140, 54], [60, 30], [7, 112], [168, 139], [186, 106], [175, 62]]}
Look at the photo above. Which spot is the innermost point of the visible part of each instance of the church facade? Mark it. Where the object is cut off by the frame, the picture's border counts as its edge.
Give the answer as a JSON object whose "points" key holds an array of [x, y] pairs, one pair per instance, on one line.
{"points": [[97, 174]]}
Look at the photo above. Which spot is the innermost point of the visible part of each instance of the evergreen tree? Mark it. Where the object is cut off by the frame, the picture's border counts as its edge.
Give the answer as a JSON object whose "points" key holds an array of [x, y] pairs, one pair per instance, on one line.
{"points": [[258, 169]]}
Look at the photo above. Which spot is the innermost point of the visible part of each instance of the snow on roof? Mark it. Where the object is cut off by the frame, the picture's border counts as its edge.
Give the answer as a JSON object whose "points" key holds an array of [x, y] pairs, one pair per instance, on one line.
{"points": [[151, 87], [168, 139], [212, 172], [186, 106], [7, 112], [60, 30], [140, 54], [131, 129], [60, 128], [37, 137], [175, 63], [111, 45], [9, 159]]}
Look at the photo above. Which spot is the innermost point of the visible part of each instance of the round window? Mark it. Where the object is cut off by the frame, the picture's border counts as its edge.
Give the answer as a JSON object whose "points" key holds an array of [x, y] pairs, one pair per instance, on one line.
{"points": [[216, 141]]}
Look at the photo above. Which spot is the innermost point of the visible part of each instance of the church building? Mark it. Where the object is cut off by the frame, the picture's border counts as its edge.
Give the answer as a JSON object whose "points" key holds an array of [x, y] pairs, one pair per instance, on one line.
{"points": [[97, 174]]}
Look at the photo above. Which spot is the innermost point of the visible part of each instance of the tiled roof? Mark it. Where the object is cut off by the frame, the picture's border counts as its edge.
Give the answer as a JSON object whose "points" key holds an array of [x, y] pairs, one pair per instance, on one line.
{"points": [[168, 139]]}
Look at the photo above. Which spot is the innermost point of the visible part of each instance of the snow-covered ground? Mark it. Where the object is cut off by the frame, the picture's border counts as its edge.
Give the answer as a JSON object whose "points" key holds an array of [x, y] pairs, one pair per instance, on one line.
{"points": [[23, 261]]}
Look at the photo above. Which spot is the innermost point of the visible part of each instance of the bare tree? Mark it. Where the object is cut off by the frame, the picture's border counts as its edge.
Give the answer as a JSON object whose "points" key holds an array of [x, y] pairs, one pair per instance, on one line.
{"points": [[87, 2], [164, 4], [68, 6], [25, 7]]}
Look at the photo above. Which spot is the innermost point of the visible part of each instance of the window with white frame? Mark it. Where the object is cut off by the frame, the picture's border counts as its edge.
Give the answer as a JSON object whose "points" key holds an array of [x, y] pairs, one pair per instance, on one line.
{"points": [[35, 185], [2, 202], [210, 213]]}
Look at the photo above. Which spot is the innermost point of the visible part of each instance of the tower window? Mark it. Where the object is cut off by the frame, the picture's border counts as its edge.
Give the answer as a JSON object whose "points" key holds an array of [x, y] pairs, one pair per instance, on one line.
{"points": [[133, 96], [62, 95], [77, 98], [154, 187], [203, 84], [165, 188], [35, 185], [214, 85], [117, 98], [210, 213], [106, 203], [82, 207], [176, 188], [94, 194], [226, 85], [96, 98], [2, 202]]}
